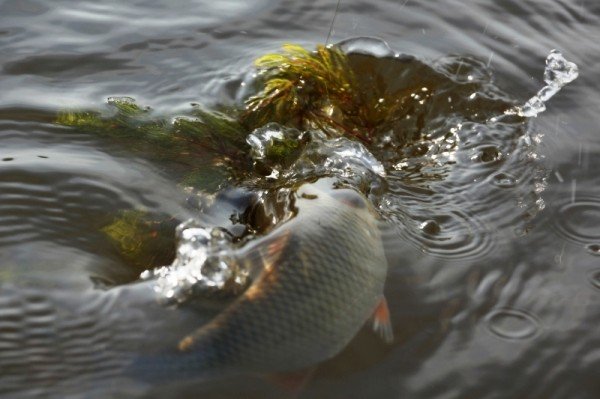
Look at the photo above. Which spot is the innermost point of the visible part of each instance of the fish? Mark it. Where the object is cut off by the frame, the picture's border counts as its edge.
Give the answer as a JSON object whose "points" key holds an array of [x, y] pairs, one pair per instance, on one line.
{"points": [[318, 278]]}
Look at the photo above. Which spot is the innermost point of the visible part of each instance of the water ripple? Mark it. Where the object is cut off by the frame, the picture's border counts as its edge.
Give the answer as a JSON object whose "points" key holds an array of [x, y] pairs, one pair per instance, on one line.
{"points": [[594, 249], [578, 221], [594, 278], [512, 324], [453, 235]]}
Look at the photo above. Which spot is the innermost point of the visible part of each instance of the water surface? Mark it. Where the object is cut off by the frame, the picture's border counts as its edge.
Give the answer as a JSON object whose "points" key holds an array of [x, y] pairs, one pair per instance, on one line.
{"points": [[494, 276]]}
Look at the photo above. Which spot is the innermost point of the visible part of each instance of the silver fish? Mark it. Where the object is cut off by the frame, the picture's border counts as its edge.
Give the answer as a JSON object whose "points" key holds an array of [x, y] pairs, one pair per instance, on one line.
{"points": [[320, 276]]}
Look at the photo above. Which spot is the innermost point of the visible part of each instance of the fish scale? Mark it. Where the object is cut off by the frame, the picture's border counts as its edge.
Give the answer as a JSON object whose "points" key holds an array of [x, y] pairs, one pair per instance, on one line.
{"points": [[315, 293], [327, 270]]}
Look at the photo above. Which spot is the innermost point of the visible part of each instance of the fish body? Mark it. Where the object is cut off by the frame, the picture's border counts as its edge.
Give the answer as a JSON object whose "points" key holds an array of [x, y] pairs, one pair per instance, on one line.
{"points": [[321, 277]]}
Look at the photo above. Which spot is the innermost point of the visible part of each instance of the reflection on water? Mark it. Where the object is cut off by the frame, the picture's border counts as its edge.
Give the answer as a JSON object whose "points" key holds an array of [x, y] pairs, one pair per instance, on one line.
{"points": [[494, 274]]}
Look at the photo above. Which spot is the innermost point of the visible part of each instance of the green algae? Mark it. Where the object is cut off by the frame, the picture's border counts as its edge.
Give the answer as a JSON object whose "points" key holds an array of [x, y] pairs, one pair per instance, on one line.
{"points": [[322, 89], [142, 240]]}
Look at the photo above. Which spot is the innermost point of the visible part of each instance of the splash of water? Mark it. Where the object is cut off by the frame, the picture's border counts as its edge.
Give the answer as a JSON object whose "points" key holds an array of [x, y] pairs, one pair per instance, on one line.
{"points": [[320, 157], [205, 262], [558, 73], [340, 157], [270, 147]]}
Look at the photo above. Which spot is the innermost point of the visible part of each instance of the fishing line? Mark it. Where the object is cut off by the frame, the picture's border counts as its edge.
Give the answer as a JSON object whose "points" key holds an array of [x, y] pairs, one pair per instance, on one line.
{"points": [[337, 7]]}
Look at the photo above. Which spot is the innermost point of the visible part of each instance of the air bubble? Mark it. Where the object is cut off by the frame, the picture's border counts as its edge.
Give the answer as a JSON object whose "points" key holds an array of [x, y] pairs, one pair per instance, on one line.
{"points": [[594, 249], [504, 180], [489, 154], [366, 45], [430, 227]]}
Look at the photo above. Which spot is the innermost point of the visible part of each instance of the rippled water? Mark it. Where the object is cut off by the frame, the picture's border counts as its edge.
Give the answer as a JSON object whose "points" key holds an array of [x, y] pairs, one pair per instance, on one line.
{"points": [[494, 275]]}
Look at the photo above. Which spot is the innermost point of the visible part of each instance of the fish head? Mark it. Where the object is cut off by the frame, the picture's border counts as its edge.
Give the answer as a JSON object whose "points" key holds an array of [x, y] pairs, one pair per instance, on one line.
{"points": [[323, 193]]}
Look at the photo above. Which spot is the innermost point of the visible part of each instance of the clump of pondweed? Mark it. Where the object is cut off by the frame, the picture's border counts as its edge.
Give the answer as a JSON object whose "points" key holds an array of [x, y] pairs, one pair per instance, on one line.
{"points": [[198, 145], [298, 88], [142, 240], [306, 90], [322, 89], [329, 90]]}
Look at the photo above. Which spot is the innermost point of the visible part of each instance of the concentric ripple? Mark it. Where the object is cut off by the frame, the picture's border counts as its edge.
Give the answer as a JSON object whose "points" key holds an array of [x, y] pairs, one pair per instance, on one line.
{"points": [[452, 235], [579, 221], [458, 176], [594, 249], [594, 278], [512, 324]]}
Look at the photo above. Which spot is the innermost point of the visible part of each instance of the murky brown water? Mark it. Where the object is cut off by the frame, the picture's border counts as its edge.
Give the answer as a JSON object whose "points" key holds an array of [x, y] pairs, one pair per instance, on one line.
{"points": [[494, 279]]}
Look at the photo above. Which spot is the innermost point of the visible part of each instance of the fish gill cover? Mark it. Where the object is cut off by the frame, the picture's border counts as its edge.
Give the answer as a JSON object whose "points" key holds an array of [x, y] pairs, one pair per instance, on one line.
{"points": [[430, 143]]}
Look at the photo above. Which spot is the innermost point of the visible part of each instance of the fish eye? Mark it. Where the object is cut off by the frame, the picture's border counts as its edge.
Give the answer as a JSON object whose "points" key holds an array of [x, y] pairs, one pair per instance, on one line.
{"points": [[350, 198]]}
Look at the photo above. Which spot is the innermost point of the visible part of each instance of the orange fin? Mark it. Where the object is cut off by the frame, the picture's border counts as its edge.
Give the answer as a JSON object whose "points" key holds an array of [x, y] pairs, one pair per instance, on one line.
{"points": [[265, 252], [187, 343], [381, 322], [292, 382], [276, 246]]}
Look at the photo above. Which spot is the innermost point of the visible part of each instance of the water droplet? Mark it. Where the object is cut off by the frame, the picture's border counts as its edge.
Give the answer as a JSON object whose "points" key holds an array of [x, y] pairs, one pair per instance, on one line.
{"points": [[452, 235], [512, 324], [7, 159], [430, 227], [558, 72], [594, 278], [366, 45], [579, 221], [42, 156], [488, 154], [203, 263], [594, 249], [504, 180]]}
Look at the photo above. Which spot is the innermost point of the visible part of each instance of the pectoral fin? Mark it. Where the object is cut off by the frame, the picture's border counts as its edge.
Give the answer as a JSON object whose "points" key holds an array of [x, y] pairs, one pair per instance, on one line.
{"points": [[381, 322], [264, 253], [292, 382]]}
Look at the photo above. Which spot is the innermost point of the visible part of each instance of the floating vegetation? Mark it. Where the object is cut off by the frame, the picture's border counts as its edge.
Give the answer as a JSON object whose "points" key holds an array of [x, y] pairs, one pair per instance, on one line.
{"points": [[201, 143], [143, 241], [400, 130], [306, 90], [326, 90], [381, 100]]}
